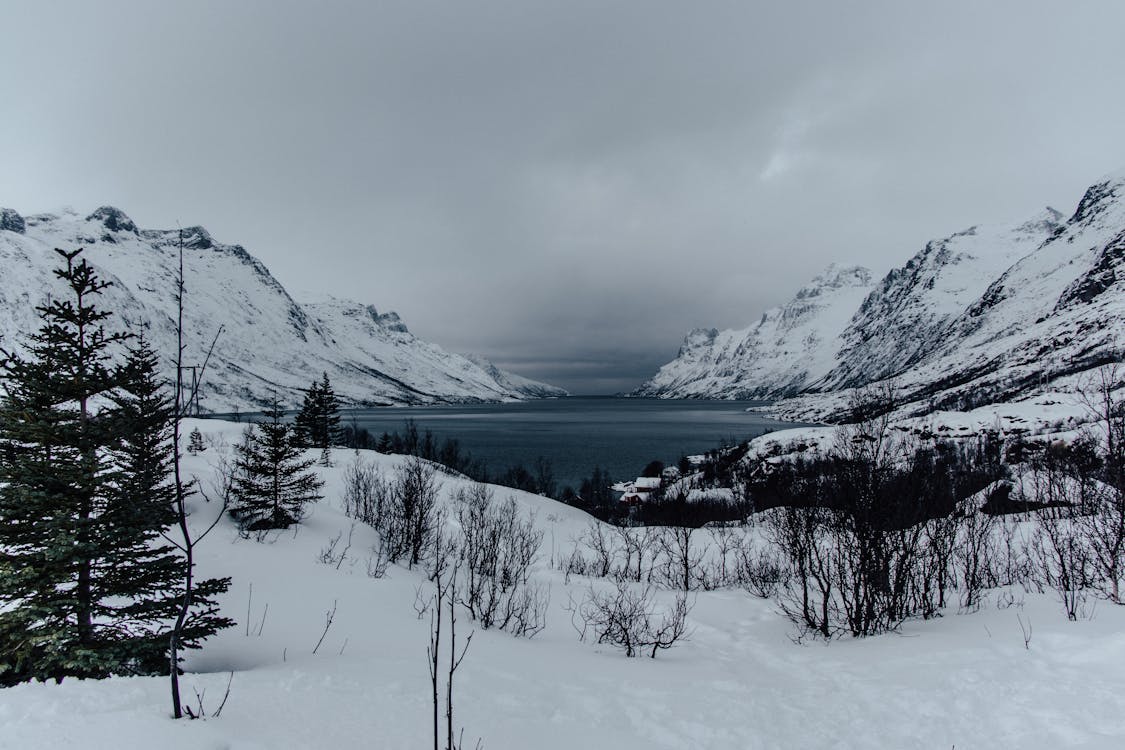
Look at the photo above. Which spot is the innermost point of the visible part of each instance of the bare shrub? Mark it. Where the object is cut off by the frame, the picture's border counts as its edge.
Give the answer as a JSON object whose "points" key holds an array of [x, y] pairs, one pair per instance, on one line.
{"points": [[1063, 559], [807, 593], [328, 554], [600, 543], [1103, 529], [377, 561], [680, 563], [1104, 525], [628, 618], [975, 558], [366, 492], [638, 547], [497, 551], [727, 542], [761, 571], [408, 524]]}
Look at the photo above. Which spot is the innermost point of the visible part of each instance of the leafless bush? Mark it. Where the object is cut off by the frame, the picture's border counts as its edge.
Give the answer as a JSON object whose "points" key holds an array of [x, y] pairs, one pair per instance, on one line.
{"points": [[1104, 525], [575, 564], [443, 569], [599, 541], [1063, 559], [497, 550], [628, 619], [1103, 529], [366, 492], [974, 558], [806, 595], [410, 516], [761, 571], [328, 554], [637, 545], [1013, 564], [728, 543], [680, 561], [377, 561]]}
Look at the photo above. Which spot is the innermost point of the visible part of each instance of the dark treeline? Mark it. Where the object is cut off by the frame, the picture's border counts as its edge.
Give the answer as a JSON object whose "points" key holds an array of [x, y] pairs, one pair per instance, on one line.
{"points": [[593, 494], [669, 506]]}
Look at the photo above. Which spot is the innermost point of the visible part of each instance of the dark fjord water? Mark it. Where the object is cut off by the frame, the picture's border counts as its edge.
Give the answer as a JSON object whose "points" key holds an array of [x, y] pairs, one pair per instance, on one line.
{"points": [[576, 434]]}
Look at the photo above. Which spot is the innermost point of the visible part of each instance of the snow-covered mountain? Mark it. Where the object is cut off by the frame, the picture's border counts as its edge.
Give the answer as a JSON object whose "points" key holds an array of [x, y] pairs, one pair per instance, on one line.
{"points": [[787, 350], [985, 315], [270, 343], [906, 316]]}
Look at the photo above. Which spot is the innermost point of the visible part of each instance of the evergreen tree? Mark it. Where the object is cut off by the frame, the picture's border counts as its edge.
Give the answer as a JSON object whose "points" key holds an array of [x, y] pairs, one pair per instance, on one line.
{"points": [[195, 442], [85, 586], [272, 481], [52, 485], [304, 424], [318, 421], [141, 508]]}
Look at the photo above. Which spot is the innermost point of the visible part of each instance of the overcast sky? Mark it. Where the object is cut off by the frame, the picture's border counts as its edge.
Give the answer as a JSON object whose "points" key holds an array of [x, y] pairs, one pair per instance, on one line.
{"points": [[564, 187]]}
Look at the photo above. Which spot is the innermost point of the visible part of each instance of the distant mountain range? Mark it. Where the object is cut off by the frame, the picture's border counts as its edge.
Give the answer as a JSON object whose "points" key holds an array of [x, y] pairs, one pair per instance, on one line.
{"points": [[985, 315], [271, 343]]}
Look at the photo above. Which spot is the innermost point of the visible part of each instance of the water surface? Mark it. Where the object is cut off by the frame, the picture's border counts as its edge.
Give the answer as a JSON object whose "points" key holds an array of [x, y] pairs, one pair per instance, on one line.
{"points": [[576, 434]]}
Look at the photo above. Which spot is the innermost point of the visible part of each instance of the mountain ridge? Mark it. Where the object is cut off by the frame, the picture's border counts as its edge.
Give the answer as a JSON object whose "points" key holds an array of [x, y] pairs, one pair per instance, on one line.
{"points": [[987, 314], [272, 343]]}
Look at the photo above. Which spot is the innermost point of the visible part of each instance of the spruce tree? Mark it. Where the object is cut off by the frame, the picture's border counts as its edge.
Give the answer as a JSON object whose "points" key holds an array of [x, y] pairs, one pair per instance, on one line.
{"points": [[85, 587], [305, 423], [195, 442], [143, 573], [52, 484], [318, 421], [272, 481]]}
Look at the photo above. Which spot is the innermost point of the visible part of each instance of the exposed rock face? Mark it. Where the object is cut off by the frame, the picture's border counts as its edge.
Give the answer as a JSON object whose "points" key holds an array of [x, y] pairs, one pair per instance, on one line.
{"points": [[10, 221], [270, 344]]}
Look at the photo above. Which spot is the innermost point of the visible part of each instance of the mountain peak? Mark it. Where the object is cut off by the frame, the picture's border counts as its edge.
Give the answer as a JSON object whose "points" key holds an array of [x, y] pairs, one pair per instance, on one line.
{"points": [[1099, 197], [843, 274], [113, 219]]}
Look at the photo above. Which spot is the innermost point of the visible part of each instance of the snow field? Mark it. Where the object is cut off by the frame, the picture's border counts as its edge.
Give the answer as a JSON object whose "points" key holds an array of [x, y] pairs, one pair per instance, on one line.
{"points": [[739, 681]]}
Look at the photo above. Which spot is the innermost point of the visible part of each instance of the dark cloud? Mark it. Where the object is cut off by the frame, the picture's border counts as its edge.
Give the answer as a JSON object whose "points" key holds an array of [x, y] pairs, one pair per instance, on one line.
{"points": [[564, 187]]}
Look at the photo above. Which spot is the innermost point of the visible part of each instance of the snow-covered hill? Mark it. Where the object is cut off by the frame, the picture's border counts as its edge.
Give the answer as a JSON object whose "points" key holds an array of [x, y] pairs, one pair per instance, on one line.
{"points": [[964, 680], [985, 315], [790, 348], [270, 344]]}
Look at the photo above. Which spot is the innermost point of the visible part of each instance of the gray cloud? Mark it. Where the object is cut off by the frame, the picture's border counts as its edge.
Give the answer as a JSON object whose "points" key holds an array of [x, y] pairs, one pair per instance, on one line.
{"points": [[564, 187]]}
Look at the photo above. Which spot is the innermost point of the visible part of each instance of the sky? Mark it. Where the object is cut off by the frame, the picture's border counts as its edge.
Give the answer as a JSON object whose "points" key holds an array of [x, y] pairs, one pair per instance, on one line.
{"points": [[564, 187]]}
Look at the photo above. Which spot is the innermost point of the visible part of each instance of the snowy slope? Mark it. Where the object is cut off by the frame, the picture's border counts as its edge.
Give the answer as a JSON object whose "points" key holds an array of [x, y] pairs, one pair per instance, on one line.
{"points": [[1055, 313], [907, 315], [788, 349], [985, 315], [270, 343], [962, 680]]}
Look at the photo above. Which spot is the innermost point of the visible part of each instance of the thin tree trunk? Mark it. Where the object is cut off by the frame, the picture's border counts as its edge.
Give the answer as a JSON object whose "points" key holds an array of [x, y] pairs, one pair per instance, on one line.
{"points": [[181, 509]]}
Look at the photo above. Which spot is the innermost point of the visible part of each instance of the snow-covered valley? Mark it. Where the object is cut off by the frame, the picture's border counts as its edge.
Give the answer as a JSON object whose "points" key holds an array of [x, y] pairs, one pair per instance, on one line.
{"points": [[964, 680]]}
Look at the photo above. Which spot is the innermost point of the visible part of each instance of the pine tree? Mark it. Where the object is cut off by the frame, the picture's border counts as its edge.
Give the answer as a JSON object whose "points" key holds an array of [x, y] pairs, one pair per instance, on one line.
{"points": [[272, 482], [143, 573], [52, 485], [195, 442], [86, 589], [305, 423], [318, 421]]}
